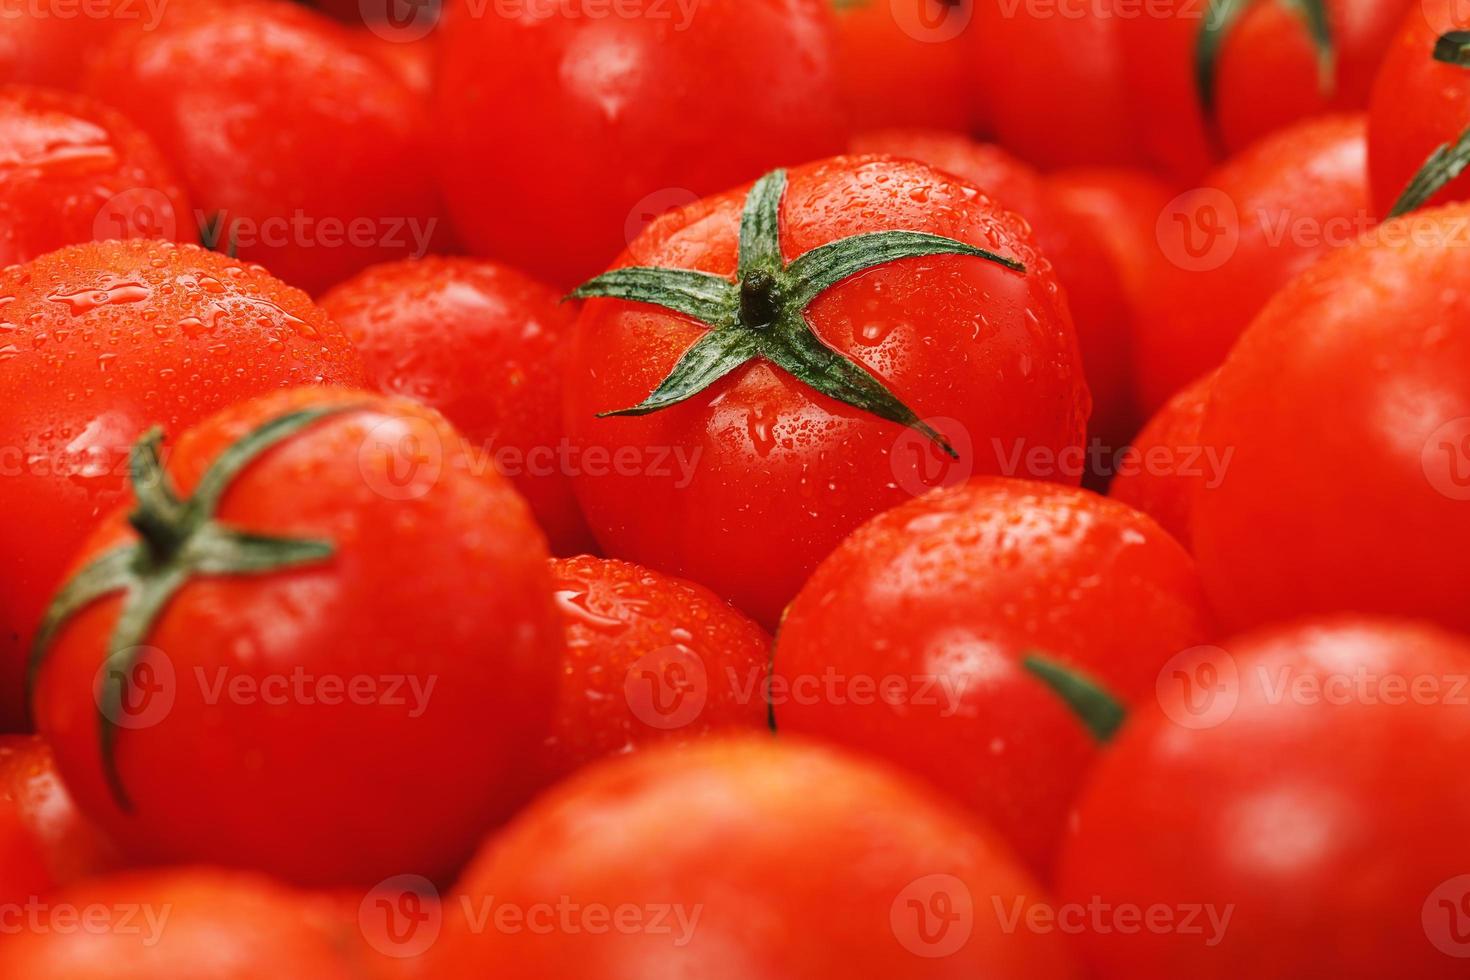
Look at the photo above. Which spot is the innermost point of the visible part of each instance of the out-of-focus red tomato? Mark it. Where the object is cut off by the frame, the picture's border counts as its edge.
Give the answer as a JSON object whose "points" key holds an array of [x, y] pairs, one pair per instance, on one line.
{"points": [[1169, 463], [905, 62]]}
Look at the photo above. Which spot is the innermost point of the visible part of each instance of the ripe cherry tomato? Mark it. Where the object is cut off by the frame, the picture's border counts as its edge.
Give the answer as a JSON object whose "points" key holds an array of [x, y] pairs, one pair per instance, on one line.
{"points": [[759, 859], [281, 703], [1229, 245], [189, 923], [1170, 462], [1052, 86], [1347, 405], [73, 847], [1271, 68], [649, 658], [76, 171], [98, 342], [485, 345], [1082, 261], [1294, 812], [903, 62], [747, 484], [614, 119], [940, 603], [302, 152]]}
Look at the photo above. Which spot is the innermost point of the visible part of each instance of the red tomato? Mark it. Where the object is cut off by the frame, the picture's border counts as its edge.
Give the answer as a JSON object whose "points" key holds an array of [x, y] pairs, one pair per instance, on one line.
{"points": [[99, 342], [307, 709], [410, 58], [24, 876], [76, 171], [747, 485], [1419, 104], [649, 658], [1268, 74], [1229, 245], [938, 603], [188, 923], [1347, 405], [485, 345], [1299, 816], [1083, 262], [1053, 85], [29, 782], [759, 859], [1169, 463], [904, 62], [306, 153], [614, 119]]}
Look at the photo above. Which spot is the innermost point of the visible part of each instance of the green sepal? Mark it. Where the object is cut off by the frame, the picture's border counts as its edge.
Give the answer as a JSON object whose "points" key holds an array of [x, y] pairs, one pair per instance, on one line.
{"points": [[1093, 705], [760, 226], [713, 356], [107, 574], [1224, 16], [825, 266], [707, 298], [1447, 162], [1453, 48]]}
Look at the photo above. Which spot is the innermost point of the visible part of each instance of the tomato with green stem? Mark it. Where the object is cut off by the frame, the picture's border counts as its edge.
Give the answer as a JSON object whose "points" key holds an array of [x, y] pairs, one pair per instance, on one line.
{"points": [[1005, 625], [261, 661], [772, 366]]}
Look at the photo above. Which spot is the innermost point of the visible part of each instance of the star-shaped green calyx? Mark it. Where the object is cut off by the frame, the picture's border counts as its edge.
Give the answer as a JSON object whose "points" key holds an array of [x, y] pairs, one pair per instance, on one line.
{"points": [[178, 540], [762, 314], [1448, 160], [1224, 16]]}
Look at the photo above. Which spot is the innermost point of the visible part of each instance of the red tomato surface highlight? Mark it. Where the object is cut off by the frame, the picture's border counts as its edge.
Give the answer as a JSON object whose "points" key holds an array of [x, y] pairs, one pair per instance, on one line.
{"points": [[1169, 463], [904, 62], [943, 599], [613, 120], [73, 847], [108, 339], [746, 486], [361, 713], [486, 346], [1295, 789], [768, 860]]}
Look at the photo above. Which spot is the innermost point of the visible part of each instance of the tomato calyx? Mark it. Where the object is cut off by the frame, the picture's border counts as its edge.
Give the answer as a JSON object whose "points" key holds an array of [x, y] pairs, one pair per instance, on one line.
{"points": [[1224, 16], [1094, 706], [762, 314], [178, 540], [1448, 160]]}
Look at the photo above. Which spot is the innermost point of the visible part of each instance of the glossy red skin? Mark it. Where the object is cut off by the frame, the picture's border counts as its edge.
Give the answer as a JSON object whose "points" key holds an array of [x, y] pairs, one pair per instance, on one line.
{"points": [[64, 161], [911, 71], [1084, 264], [449, 583], [1327, 826], [205, 924], [1334, 403], [615, 116], [1053, 85], [949, 593], [622, 622], [485, 345], [272, 113], [1268, 75], [411, 60], [1167, 474], [24, 875], [782, 473], [794, 856], [1297, 195], [72, 846], [1418, 105], [187, 333]]}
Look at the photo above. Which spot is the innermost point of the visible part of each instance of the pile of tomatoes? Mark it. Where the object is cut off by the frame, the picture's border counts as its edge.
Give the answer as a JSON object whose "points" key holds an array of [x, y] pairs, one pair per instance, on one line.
{"points": [[734, 489]]}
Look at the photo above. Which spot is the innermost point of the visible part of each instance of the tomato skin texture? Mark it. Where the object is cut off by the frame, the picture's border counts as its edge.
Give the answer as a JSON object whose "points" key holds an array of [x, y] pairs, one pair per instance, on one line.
{"points": [[774, 474], [1341, 403], [1325, 823], [484, 345], [161, 334], [279, 122], [617, 114], [1083, 262], [441, 574], [958, 587], [1295, 196], [888, 52], [24, 875], [70, 162], [760, 835], [1169, 469], [1418, 105], [29, 782], [206, 924], [628, 626]]}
